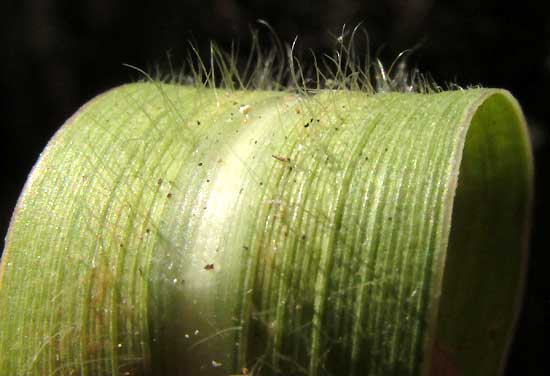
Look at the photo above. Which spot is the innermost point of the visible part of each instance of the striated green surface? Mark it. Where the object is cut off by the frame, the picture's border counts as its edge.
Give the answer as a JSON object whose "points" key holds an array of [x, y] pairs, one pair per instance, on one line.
{"points": [[170, 230]]}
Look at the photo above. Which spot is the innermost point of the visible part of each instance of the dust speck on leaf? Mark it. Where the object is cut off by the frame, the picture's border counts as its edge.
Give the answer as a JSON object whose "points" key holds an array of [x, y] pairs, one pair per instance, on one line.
{"points": [[280, 158], [245, 109]]}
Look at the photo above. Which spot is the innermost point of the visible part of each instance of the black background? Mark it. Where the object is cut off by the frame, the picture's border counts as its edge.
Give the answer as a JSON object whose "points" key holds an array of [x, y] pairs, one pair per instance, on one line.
{"points": [[55, 55]]}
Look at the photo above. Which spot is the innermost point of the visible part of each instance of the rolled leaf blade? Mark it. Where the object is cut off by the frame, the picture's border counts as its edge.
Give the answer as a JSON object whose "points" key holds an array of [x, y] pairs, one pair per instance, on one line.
{"points": [[188, 231]]}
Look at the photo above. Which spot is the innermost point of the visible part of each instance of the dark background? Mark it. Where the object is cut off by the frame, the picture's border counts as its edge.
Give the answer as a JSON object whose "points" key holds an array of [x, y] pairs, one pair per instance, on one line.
{"points": [[55, 55]]}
